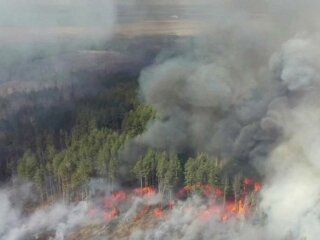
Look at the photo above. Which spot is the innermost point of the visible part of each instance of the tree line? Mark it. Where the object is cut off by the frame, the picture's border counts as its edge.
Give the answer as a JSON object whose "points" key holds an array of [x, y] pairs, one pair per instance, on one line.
{"points": [[61, 148], [65, 169]]}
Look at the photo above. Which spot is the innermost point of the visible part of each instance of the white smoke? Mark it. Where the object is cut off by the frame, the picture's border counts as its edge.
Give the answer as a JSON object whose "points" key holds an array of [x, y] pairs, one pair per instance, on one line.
{"points": [[291, 195], [58, 218], [247, 89]]}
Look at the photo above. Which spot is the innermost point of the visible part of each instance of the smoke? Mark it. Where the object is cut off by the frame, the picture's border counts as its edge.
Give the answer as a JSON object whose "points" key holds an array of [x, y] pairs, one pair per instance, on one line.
{"points": [[42, 45], [292, 194], [214, 98], [17, 224], [37, 39], [247, 89], [184, 223]]}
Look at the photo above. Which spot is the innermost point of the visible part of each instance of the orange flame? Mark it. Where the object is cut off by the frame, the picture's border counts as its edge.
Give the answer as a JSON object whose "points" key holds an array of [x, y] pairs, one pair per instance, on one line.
{"points": [[109, 215], [114, 199], [248, 181], [257, 187], [216, 203], [158, 212], [145, 192]]}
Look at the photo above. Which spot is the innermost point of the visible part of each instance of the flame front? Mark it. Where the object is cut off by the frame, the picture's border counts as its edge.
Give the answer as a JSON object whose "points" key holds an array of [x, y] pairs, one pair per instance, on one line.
{"points": [[216, 204]]}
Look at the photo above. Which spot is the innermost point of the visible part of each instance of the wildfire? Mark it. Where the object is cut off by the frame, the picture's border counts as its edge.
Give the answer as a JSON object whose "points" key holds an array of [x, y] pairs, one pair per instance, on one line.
{"points": [[225, 211], [257, 187], [248, 181], [206, 189], [145, 192], [217, 204], [158, 212], [114, 199], [109, 215], [210, 212]]}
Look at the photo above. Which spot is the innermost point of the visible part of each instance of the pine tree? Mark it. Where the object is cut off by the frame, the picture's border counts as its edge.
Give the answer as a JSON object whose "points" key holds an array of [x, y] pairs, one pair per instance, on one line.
{"points": [[190, 172], [236, 186], [173, 173], [162, 168], [214, 173], [139, 171], [225, 187], [201, 163]]}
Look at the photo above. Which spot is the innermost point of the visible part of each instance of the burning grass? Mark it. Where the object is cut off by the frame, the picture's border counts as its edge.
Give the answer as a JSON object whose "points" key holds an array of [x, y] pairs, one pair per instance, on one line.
{"points": [[123, 212]]}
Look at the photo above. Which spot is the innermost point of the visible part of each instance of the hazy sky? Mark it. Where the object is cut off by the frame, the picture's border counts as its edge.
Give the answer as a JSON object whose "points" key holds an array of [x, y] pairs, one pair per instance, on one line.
{"points": [[45, 20]]}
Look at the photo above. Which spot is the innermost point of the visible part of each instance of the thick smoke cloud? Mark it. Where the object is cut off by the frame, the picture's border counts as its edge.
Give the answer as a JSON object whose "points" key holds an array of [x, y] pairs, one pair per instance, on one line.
{"points": [[215, 97], [247, 89], [290, 196]]}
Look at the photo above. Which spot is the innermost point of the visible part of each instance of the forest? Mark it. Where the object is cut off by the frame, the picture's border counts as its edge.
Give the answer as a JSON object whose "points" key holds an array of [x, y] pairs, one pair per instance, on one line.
{"points": [[59, 138], [143, 119]]}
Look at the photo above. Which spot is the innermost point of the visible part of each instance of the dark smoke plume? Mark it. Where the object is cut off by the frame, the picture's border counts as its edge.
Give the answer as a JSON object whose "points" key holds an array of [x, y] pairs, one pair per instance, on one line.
{"points": [[246, 89]]}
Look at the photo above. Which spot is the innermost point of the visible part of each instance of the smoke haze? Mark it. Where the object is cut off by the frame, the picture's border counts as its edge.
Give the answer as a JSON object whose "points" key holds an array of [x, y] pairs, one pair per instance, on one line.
{"points": [[245, 89], [37, 39]]}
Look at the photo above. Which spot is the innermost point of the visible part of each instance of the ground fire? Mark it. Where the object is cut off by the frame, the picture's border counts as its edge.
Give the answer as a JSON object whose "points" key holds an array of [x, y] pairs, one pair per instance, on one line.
{"points": [[216, 204]]}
